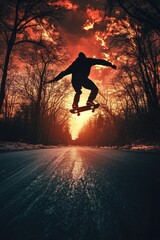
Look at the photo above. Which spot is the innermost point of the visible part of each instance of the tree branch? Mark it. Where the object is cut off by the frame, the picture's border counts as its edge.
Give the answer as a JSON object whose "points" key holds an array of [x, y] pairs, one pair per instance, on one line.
{"points": [[30, 41]]}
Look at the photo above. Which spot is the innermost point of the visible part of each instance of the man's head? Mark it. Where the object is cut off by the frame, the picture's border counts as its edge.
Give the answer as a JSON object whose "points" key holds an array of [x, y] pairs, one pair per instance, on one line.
{"points": [[81, 55]]}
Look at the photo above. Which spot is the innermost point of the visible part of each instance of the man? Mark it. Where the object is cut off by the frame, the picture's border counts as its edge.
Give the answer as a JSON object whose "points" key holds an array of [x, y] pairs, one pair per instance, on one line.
{"points": [[80, 70]]}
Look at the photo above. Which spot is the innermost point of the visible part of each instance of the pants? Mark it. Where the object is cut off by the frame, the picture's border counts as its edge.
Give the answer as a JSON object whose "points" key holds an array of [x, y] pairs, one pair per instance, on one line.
{"points": [[88, 84]]}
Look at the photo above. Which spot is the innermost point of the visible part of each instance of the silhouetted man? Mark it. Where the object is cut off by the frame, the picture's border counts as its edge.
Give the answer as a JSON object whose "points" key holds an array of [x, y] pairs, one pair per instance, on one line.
{"points": [[80, 70]]}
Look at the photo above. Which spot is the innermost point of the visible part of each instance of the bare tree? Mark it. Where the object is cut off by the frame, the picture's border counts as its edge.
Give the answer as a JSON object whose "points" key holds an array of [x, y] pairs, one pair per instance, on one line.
{"points": [[47, 102], [143, 11], [17, 19]]}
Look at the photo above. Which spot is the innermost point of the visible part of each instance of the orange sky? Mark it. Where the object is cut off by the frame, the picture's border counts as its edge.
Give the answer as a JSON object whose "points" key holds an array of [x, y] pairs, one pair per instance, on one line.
{"points": [[77, 122], [84, 30]]}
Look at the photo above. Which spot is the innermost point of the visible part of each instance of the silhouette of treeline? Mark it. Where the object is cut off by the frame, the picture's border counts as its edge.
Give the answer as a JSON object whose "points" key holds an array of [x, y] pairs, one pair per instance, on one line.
{"points": [[34, 112], [30, 49], [119, 130]]}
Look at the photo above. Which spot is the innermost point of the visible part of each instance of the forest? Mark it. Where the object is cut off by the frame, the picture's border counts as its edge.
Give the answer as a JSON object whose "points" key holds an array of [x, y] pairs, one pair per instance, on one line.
{"points": [[32, 51]]}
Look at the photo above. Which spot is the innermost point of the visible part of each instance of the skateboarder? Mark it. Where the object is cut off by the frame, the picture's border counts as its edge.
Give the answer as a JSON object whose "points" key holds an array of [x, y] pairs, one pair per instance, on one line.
{"points": [[80, 70]]}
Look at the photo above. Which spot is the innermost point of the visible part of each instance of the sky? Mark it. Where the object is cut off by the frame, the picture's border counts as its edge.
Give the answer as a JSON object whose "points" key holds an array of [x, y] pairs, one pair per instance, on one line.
{"points": [[83, 29]]}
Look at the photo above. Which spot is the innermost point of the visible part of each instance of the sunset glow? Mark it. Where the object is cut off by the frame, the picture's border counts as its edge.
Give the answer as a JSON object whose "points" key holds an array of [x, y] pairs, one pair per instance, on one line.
{"points": [[77, 122], [88, 31], [93, 44]]}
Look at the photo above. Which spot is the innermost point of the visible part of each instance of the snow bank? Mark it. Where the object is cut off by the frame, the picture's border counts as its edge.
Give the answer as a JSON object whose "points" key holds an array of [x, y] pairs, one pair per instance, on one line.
{"points": [[134, 147], [16, 146], [148, 148]]}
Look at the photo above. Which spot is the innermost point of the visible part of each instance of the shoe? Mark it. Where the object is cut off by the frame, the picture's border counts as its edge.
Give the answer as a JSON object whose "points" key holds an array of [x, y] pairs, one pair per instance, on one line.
{"points": [[90, 103], [74, 106]]}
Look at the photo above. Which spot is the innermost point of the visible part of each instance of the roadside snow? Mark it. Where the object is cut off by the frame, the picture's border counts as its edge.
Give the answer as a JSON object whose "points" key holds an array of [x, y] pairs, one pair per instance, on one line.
{"points": [[16, 146], [146, 148], [134, 147]]}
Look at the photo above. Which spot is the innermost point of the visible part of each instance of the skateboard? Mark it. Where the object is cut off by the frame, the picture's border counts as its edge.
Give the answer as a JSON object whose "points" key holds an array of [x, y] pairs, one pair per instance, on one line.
{"points": [[83, 109]]}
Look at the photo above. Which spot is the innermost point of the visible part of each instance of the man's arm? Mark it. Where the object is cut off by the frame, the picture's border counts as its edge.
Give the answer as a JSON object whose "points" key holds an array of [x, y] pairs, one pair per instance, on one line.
{"points": [[102, 62], [62, 74]]}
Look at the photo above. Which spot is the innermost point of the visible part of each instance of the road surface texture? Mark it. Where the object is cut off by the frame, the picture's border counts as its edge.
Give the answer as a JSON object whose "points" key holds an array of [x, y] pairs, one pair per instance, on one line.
{"points": [[79, 193]]}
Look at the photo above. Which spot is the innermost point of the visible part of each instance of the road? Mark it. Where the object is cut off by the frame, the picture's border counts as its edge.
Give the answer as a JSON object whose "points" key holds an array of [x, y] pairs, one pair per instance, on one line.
{"points": [[79, 193]]}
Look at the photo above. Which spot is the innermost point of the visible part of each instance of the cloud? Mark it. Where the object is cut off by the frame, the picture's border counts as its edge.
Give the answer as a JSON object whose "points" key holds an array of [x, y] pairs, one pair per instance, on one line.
{"points": [[80, 13], [84, 29], [67, 4], [83, 5]]}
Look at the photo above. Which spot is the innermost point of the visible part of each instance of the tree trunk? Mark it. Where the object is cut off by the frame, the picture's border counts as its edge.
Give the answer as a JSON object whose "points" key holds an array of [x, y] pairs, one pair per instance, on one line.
{"points": [[4, 77]]}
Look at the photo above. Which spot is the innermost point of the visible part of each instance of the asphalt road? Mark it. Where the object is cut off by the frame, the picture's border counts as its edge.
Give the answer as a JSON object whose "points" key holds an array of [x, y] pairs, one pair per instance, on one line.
{"points": [[79, 193]]}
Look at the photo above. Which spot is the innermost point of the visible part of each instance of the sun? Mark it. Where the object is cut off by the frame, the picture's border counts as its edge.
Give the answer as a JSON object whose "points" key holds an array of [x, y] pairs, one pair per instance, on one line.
{"points": [[77, 122]]}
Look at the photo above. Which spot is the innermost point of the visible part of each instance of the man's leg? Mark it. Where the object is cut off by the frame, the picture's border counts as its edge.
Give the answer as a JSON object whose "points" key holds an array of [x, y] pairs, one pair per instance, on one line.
{"points": [[88, 84], [78, 91], [76, 98]]}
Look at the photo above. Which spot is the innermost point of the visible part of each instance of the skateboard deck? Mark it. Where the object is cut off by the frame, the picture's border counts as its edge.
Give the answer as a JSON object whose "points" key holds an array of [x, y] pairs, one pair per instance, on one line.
{"points": [[84, 108]]}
